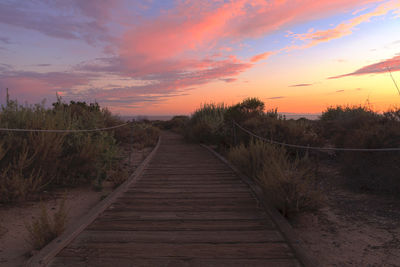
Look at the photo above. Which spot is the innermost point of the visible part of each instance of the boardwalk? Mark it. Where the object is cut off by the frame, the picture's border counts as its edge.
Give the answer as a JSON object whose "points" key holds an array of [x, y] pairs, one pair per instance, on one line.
{"points": [[187, 209]]}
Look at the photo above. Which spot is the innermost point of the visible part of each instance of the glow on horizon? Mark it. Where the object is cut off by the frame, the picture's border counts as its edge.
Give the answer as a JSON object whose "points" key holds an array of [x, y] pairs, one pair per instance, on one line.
{"points": [[169, 57]]}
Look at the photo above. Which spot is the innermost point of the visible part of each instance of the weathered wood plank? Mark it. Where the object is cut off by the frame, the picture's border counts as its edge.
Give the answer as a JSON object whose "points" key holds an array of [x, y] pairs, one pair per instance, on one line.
{"points": [[188, 190], [190, 201], [179, 237], [183, 207], [171, 261], [180, 225], [183, 215], [200, 250], [189, 195]]}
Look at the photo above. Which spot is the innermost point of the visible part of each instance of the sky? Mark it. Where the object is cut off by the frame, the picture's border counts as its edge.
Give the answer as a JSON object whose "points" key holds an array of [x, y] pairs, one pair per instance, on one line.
{"points": [[169, 57]]}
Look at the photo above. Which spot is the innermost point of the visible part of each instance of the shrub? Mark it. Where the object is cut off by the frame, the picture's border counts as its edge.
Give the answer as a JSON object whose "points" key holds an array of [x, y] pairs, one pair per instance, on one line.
{"points": [[360, 127], [206, 124], [44, 229], [248, 108], [145, 135], [34, 161], [289, 184], [177, 124]]}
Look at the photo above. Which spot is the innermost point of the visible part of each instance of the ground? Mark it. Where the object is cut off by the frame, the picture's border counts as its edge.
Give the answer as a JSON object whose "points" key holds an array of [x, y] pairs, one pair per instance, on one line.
{"points": [[352, 228], [14, 246]]}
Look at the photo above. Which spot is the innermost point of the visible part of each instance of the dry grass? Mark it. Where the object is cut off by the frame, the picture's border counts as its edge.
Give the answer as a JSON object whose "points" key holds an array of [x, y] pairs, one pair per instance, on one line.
{"points": [[44, 229], [31, 162], [289, 184]]}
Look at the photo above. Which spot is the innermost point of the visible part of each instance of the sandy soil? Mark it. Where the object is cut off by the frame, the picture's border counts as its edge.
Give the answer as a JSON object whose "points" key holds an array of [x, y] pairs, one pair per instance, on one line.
{"points": [[352, 229], [14, 246]]}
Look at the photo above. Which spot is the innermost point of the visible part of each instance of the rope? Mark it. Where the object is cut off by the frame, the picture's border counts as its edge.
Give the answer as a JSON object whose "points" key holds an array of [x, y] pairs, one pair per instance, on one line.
{"points": [[315, 148], [63, 131]]}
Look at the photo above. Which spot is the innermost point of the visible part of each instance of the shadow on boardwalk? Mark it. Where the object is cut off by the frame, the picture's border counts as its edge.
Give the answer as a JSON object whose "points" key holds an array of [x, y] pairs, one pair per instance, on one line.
{"points": [[187, 209]]}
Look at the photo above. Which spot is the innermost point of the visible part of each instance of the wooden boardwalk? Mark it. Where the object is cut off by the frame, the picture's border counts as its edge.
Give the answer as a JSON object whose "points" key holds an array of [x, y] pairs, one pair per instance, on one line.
{"points": [[187, 209]]}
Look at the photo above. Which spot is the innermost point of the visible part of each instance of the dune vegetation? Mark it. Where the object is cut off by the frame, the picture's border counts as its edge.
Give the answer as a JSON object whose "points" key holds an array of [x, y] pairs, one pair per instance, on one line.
{"points": [[289, 175], [31, 162]]}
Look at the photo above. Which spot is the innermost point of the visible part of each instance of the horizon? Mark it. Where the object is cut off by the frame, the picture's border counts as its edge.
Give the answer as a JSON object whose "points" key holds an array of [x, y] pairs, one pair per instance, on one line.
{"points": [[168, 57]]}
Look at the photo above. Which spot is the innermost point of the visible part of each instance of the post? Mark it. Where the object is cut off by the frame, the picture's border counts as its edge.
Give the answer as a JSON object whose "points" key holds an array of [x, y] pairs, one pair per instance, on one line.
{"points": [[234, 133]]}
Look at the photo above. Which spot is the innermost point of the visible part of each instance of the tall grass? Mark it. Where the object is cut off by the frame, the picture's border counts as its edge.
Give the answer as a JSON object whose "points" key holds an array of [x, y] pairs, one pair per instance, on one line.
{"points": [[289, 184], [206, 123]]}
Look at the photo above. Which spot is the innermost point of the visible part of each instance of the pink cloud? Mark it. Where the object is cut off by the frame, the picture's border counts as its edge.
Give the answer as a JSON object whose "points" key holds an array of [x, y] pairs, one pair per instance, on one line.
{"points": [[313, 37], [261, 56], [185, 46], [392, 64], [36, 86]]}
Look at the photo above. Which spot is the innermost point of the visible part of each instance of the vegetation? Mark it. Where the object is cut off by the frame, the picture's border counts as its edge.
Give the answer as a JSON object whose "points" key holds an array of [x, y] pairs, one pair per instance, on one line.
{"points": [[206, 124], [177, 124], [31, 162], [289, 184], [360, 127], [288, 174], [44, 229]]}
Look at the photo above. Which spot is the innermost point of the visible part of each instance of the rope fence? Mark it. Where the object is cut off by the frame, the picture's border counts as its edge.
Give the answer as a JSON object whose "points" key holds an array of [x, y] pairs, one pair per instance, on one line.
{"points": [[63, 131], [311, 147]]}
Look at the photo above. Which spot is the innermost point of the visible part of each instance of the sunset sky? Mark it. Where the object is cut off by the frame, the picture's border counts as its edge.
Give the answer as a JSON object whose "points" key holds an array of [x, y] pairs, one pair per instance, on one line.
{"points": [[166, 57]]}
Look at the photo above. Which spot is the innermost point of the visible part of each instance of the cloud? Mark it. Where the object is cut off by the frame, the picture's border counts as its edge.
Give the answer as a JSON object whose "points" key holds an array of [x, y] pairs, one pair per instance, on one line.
{"points": [[300, 85], [262, 56], [339, 91], [229, 80], [5, 40], [312, 37], [35, 86], [43, 65], [73, 19], [161, 54], [276, 97], [392, 64]]}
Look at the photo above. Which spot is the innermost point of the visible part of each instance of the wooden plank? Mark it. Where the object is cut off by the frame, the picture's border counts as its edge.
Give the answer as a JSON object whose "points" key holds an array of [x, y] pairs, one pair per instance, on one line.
{"points": [[183, 207], [196, 186], [190, 201], [199, 250], [189, 182], [186, 177], [171, 261], [179, 215], [188, 190], [180, 225], [179, 237], [187, 195]]}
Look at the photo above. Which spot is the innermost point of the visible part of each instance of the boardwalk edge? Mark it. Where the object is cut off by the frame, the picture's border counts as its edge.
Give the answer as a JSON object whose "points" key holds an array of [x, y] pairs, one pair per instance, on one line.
{"points": [[281, 223], [47, 253]]}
